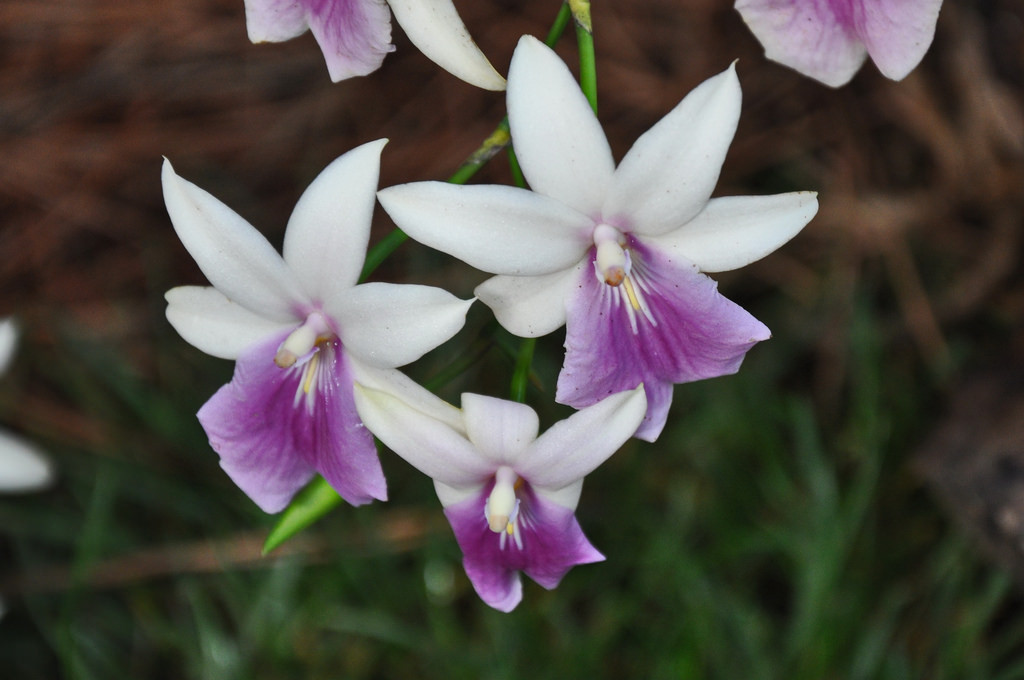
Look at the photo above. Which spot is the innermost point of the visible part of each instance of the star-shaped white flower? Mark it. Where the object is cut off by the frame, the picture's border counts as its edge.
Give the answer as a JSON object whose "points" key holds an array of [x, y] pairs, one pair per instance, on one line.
{"points": [[829, 40], [301, 331], [509, 494], [615, 254], [355, 35]]}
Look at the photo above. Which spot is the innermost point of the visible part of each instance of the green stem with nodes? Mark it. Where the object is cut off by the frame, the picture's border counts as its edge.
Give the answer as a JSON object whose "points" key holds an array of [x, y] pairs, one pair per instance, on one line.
{"points": [[585, 46], [318, 498]]}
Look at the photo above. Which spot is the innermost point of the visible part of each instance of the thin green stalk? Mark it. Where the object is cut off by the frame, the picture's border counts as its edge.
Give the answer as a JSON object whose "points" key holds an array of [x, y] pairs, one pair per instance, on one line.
{"points": [[558, 28], [521, 375], [585, 45]]}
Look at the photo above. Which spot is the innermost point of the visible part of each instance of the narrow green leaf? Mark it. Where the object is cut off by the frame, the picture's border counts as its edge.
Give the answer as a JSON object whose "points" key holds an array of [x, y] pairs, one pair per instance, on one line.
{"points": [[312, 503]]}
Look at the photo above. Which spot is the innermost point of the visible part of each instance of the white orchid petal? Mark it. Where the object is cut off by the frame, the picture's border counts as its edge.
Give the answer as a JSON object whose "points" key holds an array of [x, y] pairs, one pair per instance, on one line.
{"points": [[572, 448], [669, 174], [8, 342], [210, 322], [428, 444], [498, 229], [325, 243], [236, 258], [557, 138], [22, 466], [733, 231], [567, 496], [529, 306], [435, 28], [394, 382], [450, 495], [390, 324], [500, 430]]}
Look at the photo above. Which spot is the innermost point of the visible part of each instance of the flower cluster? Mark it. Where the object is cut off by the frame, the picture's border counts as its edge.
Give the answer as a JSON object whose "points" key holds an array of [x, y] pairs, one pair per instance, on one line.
{"points": [[618, 254]]}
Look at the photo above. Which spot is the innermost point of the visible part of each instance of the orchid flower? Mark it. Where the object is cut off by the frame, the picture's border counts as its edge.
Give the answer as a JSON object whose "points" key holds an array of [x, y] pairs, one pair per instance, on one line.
{"points": [[509, 495], [615, 254], [355, 35], [301, 331], [22, 466], [829, 40]]}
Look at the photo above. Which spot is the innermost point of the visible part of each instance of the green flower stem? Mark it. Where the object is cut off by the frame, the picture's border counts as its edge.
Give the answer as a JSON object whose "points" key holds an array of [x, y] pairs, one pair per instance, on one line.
{"points": [[585, 45], [521, 375], [558, 28]]}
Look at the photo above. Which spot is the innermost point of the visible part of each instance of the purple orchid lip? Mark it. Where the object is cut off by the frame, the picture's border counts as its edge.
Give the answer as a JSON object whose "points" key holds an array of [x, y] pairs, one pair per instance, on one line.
{"points": [[665, 323], [544, 540], [274, 428]]}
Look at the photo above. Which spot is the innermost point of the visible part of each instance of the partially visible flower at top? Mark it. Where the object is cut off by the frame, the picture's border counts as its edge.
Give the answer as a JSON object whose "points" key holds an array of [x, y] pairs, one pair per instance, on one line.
{"points": [[509, 495], [829, 40], [355, 35], [23, 467], [301, 331], [615, 254]]}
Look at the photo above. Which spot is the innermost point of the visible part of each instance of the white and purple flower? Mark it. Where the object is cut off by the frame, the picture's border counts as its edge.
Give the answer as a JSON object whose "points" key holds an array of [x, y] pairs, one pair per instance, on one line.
{"points": [[615, 254], [23, 467], [301, 331], [355, 35], [829, 40], [509, 495]]}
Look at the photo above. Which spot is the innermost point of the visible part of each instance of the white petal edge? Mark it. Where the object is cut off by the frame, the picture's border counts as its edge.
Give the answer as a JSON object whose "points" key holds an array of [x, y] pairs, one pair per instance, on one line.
{"points": [[450, 495], [428, 444], [22, 467], [497, 229], [567, 496], [733, 231], [325, 243], [669, 174], [574, 447], [435, 28], [210, 322], [529, 306], [8, 342], [389, 324], [501, 430], [557, 138], [399, 385], [236, 258]]}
